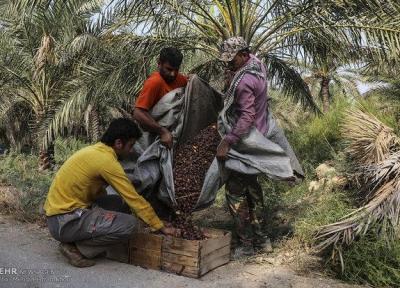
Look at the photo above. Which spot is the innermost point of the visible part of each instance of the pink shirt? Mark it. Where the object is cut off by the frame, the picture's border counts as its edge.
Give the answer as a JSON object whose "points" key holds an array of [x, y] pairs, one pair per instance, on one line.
{"points": [[250, 105]]}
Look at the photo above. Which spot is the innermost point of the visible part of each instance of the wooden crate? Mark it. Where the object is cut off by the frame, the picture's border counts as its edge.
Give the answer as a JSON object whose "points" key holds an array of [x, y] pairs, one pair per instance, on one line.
{"points": [[192, 258], [145, 250], [118, 252]]}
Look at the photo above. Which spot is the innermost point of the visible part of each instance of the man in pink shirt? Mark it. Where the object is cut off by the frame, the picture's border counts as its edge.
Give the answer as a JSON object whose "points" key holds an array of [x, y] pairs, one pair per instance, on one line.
{"points": [[248, 91]]}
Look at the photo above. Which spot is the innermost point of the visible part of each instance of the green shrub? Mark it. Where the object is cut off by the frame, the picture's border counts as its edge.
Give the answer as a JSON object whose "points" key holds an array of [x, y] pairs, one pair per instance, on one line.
{"points": [[323, 207], [65, 147], [372, 260], [21, 171], [318, 139], [386, 110]]}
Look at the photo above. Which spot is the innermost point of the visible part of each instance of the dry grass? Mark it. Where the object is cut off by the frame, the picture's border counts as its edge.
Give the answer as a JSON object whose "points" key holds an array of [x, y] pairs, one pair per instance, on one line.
{"points": [[25, 201], [9, 199]]}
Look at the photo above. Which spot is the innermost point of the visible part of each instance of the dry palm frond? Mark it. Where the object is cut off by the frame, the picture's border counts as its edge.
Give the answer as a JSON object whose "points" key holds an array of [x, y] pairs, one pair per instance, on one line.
{"points": [[369, 140], [377, 175], [384, 206], [375, 149], [383, 211], [44, 55]]}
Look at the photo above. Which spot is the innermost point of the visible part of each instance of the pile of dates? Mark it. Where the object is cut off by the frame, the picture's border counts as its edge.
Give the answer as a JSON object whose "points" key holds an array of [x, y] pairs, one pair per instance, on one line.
{"points": [[191, 162]]}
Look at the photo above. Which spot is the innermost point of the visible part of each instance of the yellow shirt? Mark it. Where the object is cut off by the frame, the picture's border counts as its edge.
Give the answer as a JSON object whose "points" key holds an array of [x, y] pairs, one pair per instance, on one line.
{"points": [[81, 178]]}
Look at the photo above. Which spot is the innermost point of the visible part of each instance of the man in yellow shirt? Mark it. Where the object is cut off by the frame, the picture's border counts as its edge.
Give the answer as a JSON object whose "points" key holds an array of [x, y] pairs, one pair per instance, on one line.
{"points": [[73, 205]]}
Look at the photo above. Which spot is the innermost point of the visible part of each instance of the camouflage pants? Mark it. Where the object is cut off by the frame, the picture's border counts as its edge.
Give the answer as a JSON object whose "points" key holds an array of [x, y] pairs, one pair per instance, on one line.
{"points": [[245, 200]]}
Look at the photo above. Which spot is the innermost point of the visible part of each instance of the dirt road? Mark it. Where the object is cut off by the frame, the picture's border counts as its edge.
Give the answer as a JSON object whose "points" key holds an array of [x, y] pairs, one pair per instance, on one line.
{"points": [[29, 258]]}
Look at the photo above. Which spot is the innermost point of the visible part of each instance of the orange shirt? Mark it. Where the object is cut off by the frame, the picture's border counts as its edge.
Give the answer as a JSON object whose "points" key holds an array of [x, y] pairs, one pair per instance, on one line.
{"points": [[155, 88]]}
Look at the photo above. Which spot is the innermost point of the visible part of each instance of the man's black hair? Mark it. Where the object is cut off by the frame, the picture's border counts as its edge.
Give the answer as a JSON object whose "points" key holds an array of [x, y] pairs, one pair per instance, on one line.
{"points": [[171, 55], [121, 128]]}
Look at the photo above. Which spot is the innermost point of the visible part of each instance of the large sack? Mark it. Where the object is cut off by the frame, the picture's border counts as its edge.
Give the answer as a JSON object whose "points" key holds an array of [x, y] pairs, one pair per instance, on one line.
{"points": [[269, 154], [185, 112]]}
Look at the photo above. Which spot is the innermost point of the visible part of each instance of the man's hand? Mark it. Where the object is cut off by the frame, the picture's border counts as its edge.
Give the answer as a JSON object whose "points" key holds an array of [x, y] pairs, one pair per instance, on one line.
{"points": [[171, 231], [222, 150], [147, 122], [167, 224], [166, 138]]}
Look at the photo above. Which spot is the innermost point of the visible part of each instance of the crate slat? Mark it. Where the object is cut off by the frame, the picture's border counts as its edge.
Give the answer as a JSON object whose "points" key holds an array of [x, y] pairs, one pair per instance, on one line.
{"points": [[180, 269], [145, 258], [181, 246], [180, 259], [145, 250], [191, 258], [146, 241], [222, 238], [215, 259]]}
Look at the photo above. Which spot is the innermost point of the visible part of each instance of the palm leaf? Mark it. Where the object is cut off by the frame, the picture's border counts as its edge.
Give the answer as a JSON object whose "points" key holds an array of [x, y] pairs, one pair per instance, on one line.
{"points": [[290, 80], [375, 149]]}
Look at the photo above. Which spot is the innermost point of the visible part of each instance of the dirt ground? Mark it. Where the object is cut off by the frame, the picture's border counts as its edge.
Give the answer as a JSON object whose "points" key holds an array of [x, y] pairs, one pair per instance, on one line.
{"points": [[30, 252]]}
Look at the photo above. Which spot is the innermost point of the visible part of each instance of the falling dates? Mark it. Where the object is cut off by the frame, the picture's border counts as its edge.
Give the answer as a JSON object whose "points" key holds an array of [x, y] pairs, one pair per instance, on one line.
{"points": [[191, 162]]}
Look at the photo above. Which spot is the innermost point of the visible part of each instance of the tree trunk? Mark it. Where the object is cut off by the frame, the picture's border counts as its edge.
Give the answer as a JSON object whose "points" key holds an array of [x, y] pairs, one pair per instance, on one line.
{"points": [[94, 125], [46, 158], [325, 94], [11, 135], [46, 155]]}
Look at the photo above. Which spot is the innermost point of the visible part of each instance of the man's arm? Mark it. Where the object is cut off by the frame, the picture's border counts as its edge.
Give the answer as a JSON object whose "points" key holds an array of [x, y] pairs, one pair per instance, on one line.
{"points": [[147, 98], [246, 110], [114, 175], [143, 117]]}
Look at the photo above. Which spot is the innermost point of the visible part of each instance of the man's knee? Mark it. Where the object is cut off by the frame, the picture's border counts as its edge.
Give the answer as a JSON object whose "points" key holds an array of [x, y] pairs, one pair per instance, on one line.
{"points": [[124, 225], [111, 224]]}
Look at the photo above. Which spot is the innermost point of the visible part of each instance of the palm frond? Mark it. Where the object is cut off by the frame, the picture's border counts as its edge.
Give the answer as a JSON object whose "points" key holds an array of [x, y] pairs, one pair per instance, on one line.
{"points": [[368, 139], [382, 212], [291, 82], [375, 150]]}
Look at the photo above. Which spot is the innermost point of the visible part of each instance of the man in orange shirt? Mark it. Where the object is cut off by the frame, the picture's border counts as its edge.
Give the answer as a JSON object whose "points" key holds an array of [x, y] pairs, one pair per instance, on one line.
{"points": [[166, 79]]}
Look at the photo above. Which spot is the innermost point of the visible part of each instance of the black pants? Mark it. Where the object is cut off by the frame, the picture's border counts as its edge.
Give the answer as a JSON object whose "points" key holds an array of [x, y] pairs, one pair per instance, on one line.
{"points": [[107, 222]]}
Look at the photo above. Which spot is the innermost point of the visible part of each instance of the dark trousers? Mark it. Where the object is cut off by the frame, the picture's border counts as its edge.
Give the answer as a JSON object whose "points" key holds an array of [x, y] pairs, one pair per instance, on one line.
{"points": [[94, 230]]}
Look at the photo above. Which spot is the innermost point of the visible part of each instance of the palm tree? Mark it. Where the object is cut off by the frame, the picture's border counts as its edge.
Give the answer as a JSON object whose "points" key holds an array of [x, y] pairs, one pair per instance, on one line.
{"points": [[71, 68], [79, 75], [273, 28], [37, 66], [330, 71], [328, 82]]}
